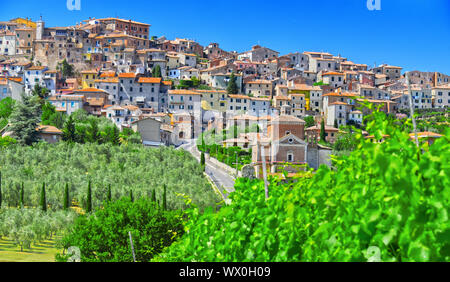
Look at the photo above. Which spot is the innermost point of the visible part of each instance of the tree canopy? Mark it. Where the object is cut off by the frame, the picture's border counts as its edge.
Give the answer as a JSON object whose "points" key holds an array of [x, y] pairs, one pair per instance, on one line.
{"points": [[103, 236], [25, 119]]}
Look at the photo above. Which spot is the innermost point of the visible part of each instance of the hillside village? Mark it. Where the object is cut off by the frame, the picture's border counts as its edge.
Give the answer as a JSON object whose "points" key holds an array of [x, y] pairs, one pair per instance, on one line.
{"points": [[173, 90]]}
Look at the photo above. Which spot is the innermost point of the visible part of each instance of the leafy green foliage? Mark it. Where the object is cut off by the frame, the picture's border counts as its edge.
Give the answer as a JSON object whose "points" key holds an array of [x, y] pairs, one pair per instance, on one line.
{"points": [[83, 128], [345, 141], [156, 71], [123, 167], [103, 236], [319, 83], [385, 201], [309, 121], [40, 92], [7, 141], [232, 87], [67, 70], [51, 117], [6, 108]]}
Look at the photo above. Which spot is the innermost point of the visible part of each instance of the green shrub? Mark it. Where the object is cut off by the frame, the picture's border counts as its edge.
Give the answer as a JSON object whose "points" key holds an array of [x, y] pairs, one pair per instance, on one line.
{"points": [[383, 202], [103, 236]]}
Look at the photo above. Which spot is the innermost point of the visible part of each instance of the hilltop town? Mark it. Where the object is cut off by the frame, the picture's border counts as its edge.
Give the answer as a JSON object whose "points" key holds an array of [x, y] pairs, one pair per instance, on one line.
{"points": [[173, 90], [117, 145]]}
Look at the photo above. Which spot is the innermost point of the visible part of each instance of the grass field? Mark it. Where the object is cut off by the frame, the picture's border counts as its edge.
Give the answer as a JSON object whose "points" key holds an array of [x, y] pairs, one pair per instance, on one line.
{"points": [[42, 252]]}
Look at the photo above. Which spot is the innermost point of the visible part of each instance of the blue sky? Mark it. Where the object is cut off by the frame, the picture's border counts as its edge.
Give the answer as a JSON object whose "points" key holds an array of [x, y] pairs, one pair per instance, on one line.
{"points": [[414, 34]]}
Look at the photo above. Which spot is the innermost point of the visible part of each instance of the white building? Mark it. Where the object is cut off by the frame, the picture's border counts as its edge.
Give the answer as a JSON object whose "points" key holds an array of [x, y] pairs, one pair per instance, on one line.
{"points": [[8, 43], [259, 107], [441, 95], [32, 76]]}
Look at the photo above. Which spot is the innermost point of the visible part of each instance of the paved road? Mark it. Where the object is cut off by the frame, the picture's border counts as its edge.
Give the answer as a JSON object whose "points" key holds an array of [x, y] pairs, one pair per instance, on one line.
{"points": [[222, 179]]}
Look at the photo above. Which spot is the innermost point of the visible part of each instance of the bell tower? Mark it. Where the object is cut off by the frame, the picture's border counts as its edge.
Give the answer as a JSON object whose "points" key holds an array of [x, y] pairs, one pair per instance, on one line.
{"points": [[40, 26]]}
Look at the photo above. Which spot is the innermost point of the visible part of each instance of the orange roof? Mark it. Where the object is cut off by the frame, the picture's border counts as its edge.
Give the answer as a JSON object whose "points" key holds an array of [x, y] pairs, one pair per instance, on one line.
{"points": [[90, 90], [425, 134], [149, 80], [16, 79], [183, 92], [37, 68], [108, 80], [332, 73], [168, 83], [127, 75], [238, 96], [131, 107], [108, 74], [48, 129], [341, 94]]}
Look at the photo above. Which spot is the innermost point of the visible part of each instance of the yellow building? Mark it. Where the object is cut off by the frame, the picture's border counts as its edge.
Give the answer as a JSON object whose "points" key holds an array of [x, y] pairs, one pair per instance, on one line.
{"points": [[88, 78], [215, 100], [302, 89], [23, 21]]}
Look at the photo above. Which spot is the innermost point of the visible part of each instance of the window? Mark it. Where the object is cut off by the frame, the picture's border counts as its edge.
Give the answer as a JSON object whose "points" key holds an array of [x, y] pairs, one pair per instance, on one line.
{"points": [[290, 157]]}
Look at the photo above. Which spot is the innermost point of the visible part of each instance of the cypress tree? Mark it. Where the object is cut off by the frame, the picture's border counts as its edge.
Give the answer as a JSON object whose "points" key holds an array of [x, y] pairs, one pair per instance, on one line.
{"points": [[336, 123], [202, 160], [165, 198], [156, 71], [66, 197], [22, 202], [154, 196], [109, 193], [69, 131], [0, 189], [131, 196], [43, 199], [89, 199], [322, 131], [232, 85]]}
